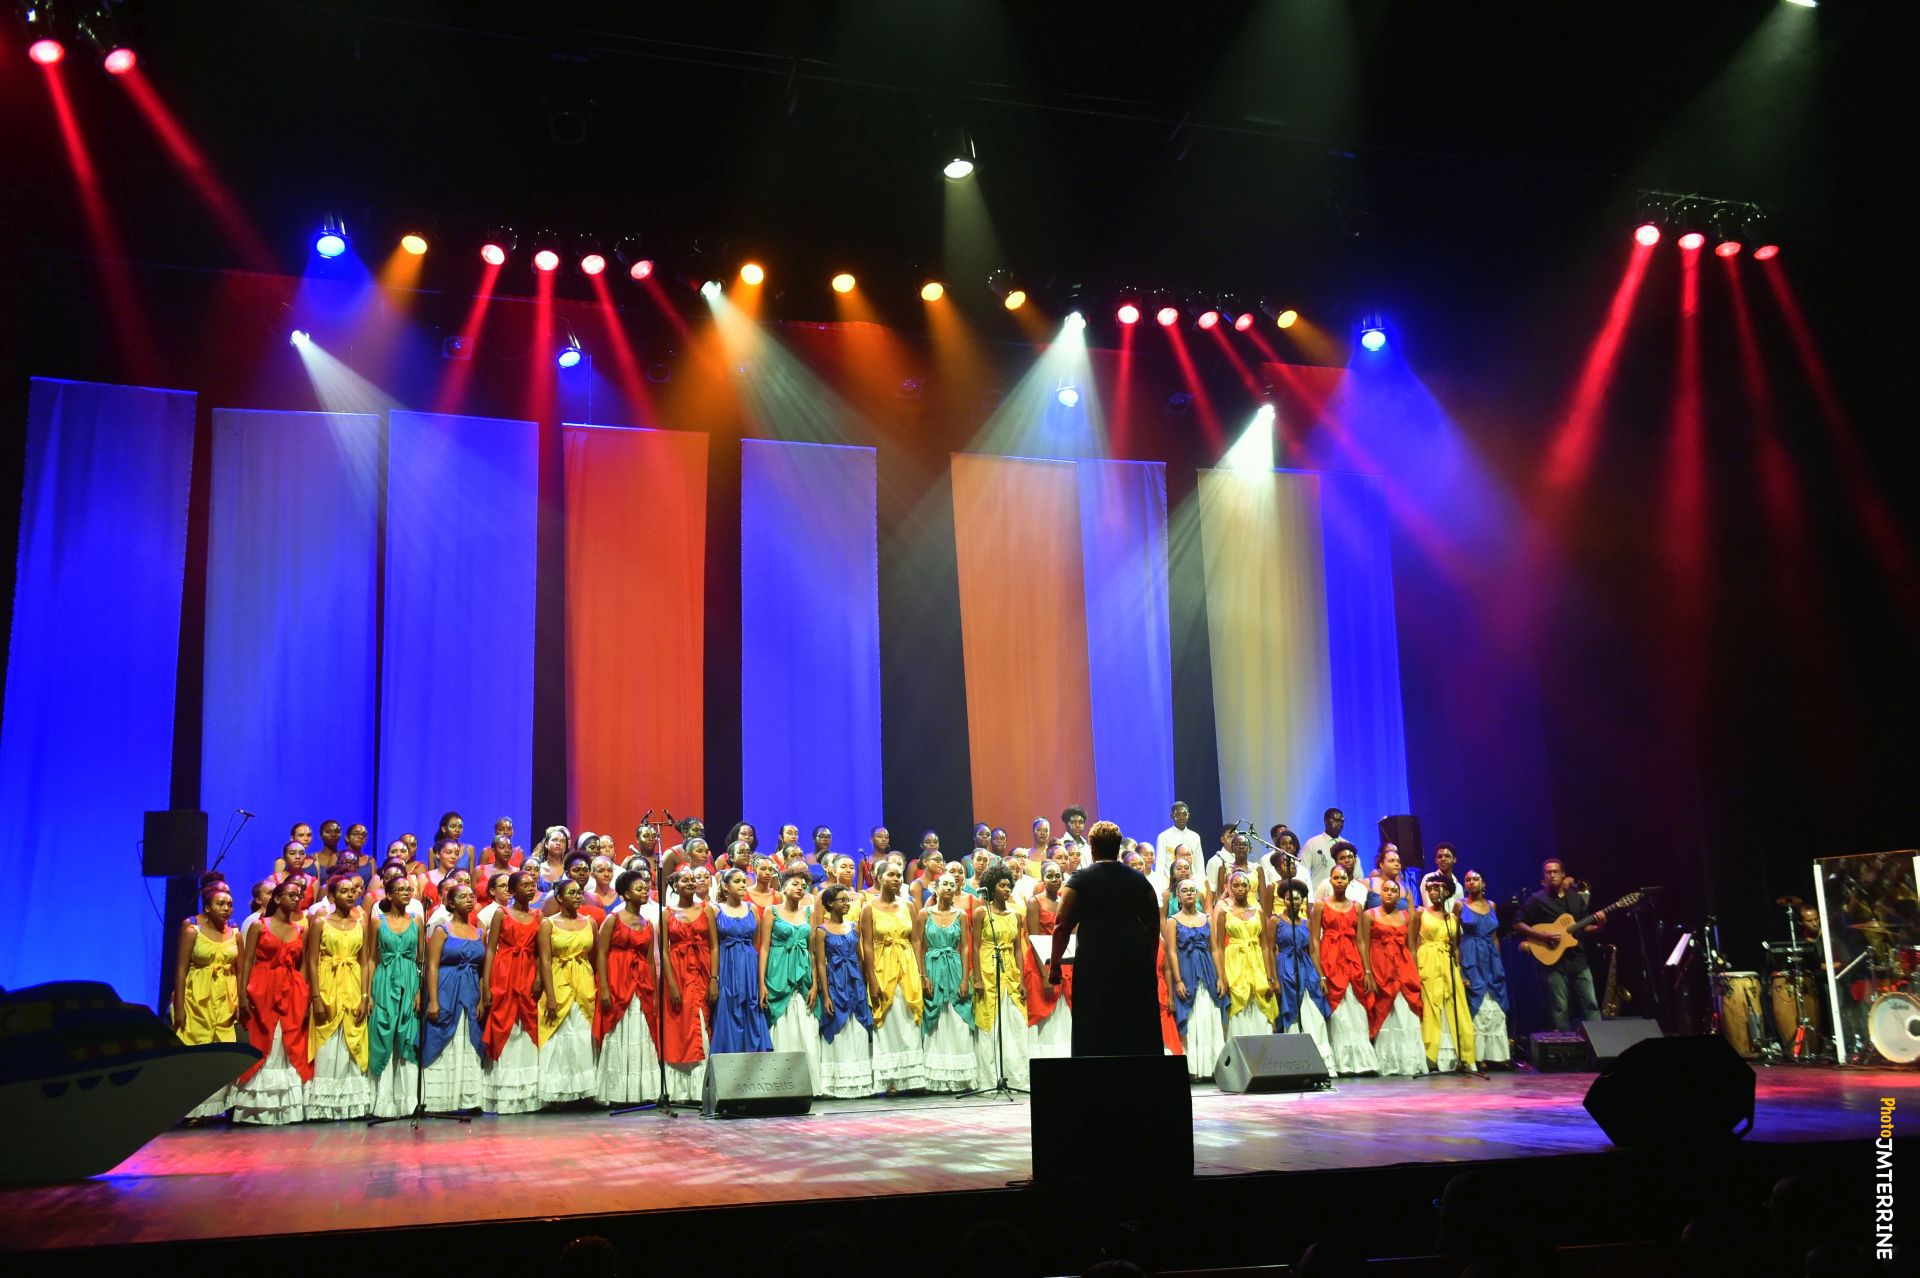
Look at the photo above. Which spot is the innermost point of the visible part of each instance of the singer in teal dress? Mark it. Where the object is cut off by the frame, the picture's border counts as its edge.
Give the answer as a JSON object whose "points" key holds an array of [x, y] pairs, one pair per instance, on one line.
{"points": [[946, 1018]]}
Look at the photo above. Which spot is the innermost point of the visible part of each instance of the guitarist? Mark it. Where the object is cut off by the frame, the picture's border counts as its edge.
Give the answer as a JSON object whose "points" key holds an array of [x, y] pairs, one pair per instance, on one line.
{"points": [[1558, 896]]}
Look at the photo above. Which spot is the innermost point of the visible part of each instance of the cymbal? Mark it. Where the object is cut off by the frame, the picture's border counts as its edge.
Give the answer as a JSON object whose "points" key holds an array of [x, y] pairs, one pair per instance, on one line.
{"points": [[1879, 927]]}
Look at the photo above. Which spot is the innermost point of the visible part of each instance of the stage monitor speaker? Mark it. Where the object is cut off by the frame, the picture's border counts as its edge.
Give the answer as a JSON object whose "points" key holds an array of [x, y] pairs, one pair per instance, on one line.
{"points": [[1557, 1051], [1671, 1092], [1403, 832], [756, 1085], [1112, 1119], [173, 844], [1607, 1039], [1270, 1063]]}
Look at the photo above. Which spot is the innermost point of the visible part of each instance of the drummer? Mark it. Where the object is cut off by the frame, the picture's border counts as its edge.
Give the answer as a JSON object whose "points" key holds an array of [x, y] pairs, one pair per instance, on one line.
{"points": [[1858, 989]]}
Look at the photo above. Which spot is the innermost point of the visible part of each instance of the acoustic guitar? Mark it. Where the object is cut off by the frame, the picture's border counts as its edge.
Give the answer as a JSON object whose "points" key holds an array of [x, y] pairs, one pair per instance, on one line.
{"points": [[1563, 927]]}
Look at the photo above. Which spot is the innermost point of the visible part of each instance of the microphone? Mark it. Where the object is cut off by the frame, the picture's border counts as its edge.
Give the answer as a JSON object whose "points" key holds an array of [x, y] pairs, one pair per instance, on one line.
{"points": [[243, 812]]}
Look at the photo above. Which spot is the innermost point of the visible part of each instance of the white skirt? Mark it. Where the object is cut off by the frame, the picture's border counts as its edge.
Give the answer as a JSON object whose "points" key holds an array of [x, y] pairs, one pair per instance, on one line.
{"points": [[629, 1069], [340, 1090], [846, 1064], [566, 1061], [899, 1057], [1490, 1033], [1053, 1036], [1314, 1026], [1347, 1030], [275, 1095], [1206, 1037], [798, 1031], [1010, 1035], [951, 1060], [688, 1082], [1398, 1045], [397, 1088], [456, 1080], [512, 1083], [214, 1105], [1249, 1020]]}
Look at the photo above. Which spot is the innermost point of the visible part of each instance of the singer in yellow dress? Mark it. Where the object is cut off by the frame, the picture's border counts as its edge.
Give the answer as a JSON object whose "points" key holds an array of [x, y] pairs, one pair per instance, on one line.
{"points": [[567, 1000], [1444, 1013], [339, 975], [999, 995], [1240, 941], [206, 998], [893, 985]]}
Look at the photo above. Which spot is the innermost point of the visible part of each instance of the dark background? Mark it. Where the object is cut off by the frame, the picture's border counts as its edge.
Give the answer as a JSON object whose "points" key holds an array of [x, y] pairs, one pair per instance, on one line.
{"points": [[1471, 175]]}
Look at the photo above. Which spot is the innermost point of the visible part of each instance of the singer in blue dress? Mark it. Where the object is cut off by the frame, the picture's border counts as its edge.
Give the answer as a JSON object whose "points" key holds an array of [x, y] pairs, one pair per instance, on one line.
{"points": [[846, 1017], [738, 1023], [454, 1045], [1486, 975], [1304, 1008], [1196, 989]]}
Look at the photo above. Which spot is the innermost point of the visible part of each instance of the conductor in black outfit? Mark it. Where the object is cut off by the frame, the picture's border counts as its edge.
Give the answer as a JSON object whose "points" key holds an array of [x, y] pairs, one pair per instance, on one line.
{"points": [[1116, 1001]]}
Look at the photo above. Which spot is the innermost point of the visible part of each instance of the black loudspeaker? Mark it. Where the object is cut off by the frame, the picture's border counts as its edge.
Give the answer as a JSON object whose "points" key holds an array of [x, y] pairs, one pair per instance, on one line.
{"points": [[756, 1085], [1270, 1063], [1669, 1092], [1112, 1119], [1557, 1051], [174, 845], [1607, 1039], [1403, 832]]}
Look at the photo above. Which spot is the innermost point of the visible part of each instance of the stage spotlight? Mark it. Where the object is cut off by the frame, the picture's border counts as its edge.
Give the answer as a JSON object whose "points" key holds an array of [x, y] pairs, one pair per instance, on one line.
{"points": [[1074, 322], [1004, 287], [642, 268], [843, 282], [1128, 313], [1766, 252], [1286, 319], [570, 354], [546, 260], [1015, 299], [493, 254], [1068, 396], [299, 337], [1646, 234], [1208, 319], [332, 240], [1244, 323], [932, 291], [710, 290], [119, 61], [753, 273], [593, 264], [46, 52], [958, 167], [1727, 248], [1167, 316], [958, 145], [500, 241], [414, 244], [1691, 241], [1373, 334]]}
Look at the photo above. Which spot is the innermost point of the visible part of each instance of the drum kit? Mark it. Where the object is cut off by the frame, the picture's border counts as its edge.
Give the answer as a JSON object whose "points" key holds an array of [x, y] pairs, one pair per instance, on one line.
{"points": [[1885, 979], [1890, 988]]}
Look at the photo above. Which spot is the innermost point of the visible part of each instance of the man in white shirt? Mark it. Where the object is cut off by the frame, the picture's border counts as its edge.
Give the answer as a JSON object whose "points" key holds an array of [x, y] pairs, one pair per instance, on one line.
{"points": [[1317, 855], [1073, 819], [1175, 836]]}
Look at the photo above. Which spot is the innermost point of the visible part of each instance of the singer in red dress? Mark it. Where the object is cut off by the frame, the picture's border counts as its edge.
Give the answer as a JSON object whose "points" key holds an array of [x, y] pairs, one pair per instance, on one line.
{"points": [[510, 986], [273, 1007], [693, 941]]}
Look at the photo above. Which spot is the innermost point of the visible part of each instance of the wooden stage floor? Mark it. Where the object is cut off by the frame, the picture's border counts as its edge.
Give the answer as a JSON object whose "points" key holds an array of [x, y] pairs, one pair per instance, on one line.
{"points": [[216, 1182]]}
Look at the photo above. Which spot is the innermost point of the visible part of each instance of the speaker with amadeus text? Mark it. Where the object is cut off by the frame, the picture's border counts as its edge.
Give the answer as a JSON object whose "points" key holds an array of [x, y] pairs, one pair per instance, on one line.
{"points": [[756, 1085], [1270, 1063], [1671, 1092]]}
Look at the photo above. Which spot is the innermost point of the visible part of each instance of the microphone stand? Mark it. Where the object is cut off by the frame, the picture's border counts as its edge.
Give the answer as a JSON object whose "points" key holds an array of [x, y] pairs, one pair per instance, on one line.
{"points": [[662, 950], [1002, 1088], [1456, 987], [1289, 866]]}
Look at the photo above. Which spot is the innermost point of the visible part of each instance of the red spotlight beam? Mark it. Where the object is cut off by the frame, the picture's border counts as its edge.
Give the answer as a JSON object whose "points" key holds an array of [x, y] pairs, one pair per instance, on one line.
{"points": [[1247, 378], [1202, 402], [193, 163], [1686, 524], [542, 371], [1571, 453], [632, 382], [1779, 487], [454, 388]]}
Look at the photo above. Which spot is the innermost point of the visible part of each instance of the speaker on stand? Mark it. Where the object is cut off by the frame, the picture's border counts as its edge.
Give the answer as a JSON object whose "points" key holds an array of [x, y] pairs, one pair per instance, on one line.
{"points": [[173, 846]]}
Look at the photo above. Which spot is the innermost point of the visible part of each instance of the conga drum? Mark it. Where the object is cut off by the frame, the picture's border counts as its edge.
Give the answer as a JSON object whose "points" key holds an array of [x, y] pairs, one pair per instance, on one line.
{"points": [[1786, 1011], [1740, 1011]]}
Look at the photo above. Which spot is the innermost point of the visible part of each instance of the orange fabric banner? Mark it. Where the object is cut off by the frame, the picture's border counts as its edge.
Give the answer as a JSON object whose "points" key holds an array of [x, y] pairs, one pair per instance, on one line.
{"points": [[636, 599], [1023, 626]]}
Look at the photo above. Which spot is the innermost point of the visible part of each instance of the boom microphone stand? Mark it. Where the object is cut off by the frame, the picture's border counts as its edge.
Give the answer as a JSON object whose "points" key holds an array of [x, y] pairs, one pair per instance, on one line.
{"points": [[1001, 1088], [1289, 867]]}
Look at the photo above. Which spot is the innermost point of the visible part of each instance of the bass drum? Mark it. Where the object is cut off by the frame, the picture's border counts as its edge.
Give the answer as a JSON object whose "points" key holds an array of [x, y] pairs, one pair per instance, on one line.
{"points": [[1740, 1012], [1893, 1027]]}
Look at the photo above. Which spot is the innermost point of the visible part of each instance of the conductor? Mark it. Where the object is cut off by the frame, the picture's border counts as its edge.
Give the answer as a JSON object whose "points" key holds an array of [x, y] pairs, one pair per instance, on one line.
{"points": [[1116, 1004]]}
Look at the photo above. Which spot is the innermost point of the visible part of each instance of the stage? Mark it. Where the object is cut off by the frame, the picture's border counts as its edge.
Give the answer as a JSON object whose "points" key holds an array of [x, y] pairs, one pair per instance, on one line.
{"points": [[213, 1183]]}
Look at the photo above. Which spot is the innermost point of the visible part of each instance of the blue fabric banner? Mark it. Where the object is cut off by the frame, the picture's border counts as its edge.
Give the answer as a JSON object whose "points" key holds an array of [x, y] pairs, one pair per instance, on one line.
{"points": [[87, 742], [456, 676], [1363, 652], [810, 640], [287, 720], [1123, 547]]}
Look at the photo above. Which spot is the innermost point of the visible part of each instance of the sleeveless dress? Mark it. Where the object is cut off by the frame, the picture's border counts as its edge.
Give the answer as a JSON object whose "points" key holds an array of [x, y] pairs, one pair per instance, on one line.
{"points": [[1443, 993], [629, 1070], [1001, 1016], [274, 1089], [899, 1056], [1203, 1029], [1303, 1007], [512, 1083], [337, 1043], [738, 1023], [566, 1022], [791, 1027], [211, 1003], [1486, 977], [846, 1036], [1393, 1009], [683, 1033], [1250, 1004], [1049, 1010], [1347, 1027], [453, 1051], [393, 1045], [1169, 1028], [946, 1019]]}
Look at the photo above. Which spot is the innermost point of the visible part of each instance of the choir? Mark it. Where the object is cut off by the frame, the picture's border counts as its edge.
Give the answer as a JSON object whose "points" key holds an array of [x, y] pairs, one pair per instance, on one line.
{"points": [[506, 983]]}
